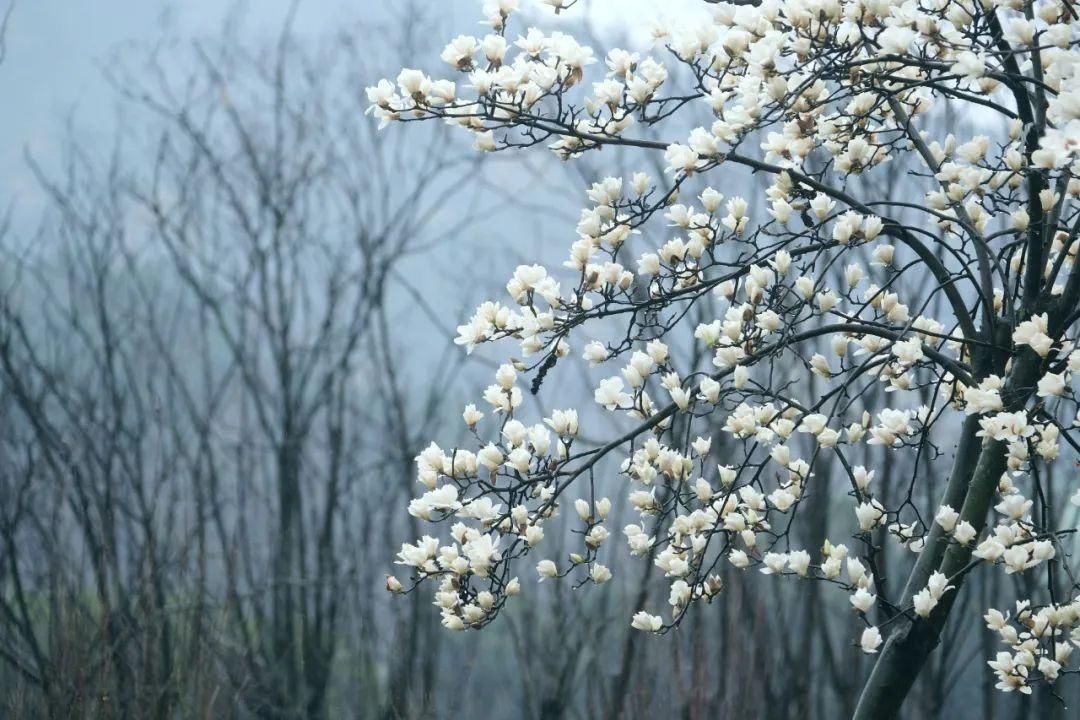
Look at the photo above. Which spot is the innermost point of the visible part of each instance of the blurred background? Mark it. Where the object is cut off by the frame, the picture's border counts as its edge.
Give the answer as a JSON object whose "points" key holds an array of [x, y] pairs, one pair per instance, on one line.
{"points": [[227, 305]]}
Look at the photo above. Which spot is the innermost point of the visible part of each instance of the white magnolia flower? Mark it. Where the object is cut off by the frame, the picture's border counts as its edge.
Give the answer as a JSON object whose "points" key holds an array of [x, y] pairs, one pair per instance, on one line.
{"points": [[1051, 385], [964, 532], [610, 393], [1058, 147], [923, 602], [869, 514], [646, 622], [599, 573], [946, 517], [546, 569], [862, 600], [870, 640], [1032, 333], [970, 65]]}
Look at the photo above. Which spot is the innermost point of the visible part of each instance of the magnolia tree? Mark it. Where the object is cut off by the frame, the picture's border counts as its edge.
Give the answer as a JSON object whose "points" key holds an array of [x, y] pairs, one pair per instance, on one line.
{"points": [[817, 96]]}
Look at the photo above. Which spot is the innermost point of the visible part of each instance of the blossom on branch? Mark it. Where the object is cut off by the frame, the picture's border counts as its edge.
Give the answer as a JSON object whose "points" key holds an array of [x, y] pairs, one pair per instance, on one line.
{"points": [[832, 318]]}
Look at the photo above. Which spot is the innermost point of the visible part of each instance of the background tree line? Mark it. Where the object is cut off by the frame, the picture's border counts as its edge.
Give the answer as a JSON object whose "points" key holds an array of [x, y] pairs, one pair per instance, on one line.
{"points": [[212, 390]]}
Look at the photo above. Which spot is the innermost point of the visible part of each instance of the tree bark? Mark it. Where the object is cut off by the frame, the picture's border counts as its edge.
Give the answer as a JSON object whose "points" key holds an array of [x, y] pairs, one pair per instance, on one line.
{"points": [[911, 642], [976, 470]]}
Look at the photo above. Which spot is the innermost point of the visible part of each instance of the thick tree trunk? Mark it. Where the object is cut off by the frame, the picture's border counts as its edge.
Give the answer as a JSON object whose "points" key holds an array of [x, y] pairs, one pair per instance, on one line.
{"points": [[911, 642], [976, 470]]}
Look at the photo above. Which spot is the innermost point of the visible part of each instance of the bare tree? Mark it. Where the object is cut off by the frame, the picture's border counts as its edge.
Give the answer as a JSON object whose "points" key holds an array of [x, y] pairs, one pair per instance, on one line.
{"points": [[195, 351]]}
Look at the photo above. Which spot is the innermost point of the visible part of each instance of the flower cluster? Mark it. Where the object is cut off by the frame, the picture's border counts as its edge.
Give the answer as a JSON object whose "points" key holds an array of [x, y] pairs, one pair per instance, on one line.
{"points": [[1040, 643], [830, 319]]}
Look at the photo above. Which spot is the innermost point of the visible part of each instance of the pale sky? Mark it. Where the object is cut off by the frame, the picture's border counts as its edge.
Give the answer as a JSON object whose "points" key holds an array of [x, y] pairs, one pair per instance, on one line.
{"points": [[56, 50]]}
